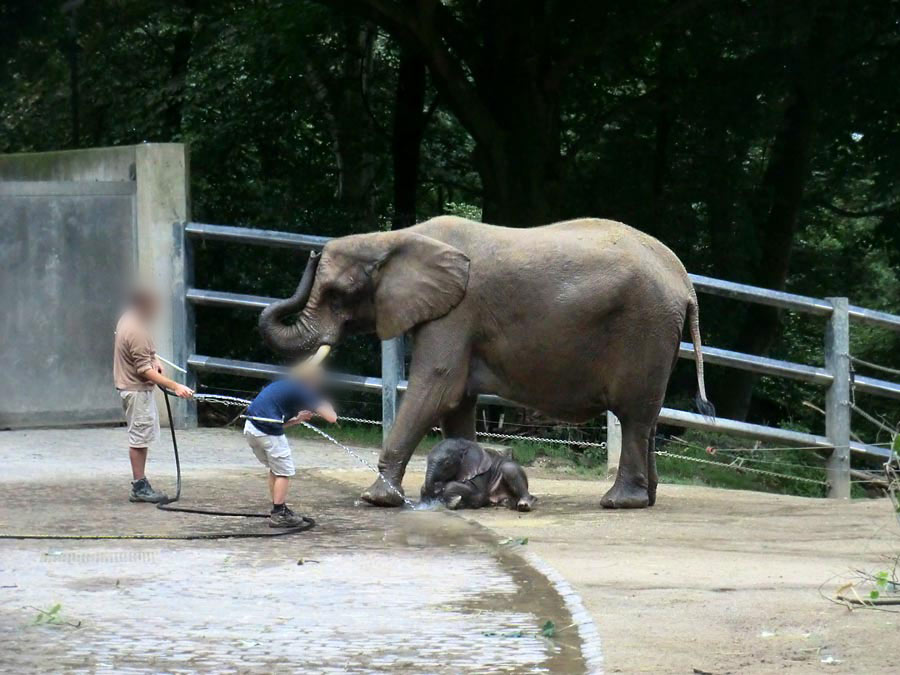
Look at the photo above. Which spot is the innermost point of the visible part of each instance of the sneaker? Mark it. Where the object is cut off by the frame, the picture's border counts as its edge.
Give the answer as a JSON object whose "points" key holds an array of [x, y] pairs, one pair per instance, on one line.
{"points": [[142, 491], [285, 518]]}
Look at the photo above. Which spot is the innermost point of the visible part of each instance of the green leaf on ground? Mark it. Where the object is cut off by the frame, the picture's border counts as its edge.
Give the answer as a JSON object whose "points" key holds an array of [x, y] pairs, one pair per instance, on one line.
{"points": [[48, 615]]}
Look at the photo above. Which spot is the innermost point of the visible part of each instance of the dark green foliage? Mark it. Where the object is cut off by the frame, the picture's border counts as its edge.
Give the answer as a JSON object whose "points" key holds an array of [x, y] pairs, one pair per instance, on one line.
{"points": [[759, 140]]}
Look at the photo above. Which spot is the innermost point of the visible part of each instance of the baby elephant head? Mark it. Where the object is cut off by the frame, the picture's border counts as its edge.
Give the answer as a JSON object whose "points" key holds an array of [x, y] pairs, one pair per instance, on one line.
{"points": [[452, 459], [384, 282]]}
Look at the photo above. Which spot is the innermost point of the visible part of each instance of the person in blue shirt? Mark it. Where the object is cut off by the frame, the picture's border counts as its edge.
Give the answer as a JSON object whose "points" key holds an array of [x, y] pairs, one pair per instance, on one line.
{"points": [[281, 404]]}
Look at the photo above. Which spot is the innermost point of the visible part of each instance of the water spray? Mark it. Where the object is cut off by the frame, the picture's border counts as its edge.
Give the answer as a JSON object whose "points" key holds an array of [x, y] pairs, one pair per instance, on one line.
{"points": [[242, 402]]}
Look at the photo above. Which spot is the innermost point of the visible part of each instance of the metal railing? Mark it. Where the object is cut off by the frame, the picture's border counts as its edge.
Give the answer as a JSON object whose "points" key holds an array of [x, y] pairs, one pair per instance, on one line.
{"points": [[836, 376]]}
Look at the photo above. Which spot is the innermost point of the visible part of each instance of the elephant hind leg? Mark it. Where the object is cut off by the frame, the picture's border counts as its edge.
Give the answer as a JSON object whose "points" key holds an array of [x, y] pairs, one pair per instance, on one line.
{"points": [[460, 422], [631, 489], [652, 475], [516, 482]]}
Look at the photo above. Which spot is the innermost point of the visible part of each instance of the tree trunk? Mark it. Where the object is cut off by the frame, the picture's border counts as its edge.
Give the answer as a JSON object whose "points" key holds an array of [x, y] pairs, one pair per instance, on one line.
{"points": [[520, 163], [782, 190], [776, 208], [410, 120], [355, 129], [520, 175], [178, 68], [665, 123], [345, 109]]}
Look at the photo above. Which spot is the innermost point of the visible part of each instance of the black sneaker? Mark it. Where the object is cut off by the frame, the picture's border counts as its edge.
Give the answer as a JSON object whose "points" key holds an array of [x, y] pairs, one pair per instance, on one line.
{"points": [[142, 491], [285, 518]]}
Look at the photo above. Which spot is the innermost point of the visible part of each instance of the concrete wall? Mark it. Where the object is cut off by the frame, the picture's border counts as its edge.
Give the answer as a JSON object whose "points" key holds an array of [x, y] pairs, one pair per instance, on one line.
{"points": [[77, 228]]}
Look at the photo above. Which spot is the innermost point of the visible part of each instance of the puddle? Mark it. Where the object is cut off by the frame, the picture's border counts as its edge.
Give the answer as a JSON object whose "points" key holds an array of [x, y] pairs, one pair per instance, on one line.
{"points": [[378, 591]]}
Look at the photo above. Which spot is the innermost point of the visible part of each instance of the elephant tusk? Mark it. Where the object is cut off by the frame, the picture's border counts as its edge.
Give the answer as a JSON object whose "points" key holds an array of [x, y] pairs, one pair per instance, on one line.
{"points": [[320, 355]]}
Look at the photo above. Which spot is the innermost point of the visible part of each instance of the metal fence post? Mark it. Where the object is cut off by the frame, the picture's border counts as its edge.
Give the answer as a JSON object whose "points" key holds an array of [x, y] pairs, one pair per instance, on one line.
{"points": [[183, 322], [392, 372], [837, 400], [613, 444]]}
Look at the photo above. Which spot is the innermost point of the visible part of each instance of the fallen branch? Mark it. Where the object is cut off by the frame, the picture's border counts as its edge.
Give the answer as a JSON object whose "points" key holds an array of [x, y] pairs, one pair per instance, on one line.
{"points": [[856, 600]]}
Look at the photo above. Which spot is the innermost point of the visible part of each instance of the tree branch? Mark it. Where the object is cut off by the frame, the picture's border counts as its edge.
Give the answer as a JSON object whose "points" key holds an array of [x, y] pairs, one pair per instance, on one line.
{"points": [[419, 24], [590, 42], [847, 213]]}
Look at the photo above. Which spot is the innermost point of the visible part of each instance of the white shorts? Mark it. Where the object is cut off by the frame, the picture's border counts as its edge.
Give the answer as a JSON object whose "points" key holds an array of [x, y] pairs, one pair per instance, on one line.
{"points": [[142, 417], [272, 451]]}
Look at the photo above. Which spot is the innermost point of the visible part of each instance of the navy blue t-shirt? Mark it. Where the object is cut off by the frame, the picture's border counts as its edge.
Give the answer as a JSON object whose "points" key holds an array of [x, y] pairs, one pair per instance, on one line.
{"points": [[281, 400]]}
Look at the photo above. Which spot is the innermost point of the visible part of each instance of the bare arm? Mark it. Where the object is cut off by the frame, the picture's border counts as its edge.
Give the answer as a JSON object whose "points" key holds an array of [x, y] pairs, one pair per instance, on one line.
{"points": [[163, 381], [326, 412]]}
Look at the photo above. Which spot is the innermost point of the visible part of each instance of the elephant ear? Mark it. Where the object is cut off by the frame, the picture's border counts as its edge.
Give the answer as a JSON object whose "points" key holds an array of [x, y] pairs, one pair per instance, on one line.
{"points": [[420, 279], [475, 461]]}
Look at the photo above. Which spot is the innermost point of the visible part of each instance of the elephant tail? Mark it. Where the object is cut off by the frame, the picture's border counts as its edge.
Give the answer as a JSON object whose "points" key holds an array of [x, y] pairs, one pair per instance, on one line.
{"points": [[703, 404]]}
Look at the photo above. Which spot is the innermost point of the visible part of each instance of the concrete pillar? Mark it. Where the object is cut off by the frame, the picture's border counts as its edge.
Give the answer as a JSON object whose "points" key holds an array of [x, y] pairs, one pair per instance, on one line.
{"points": [[163, 196], [837, 399], [613, 444]]}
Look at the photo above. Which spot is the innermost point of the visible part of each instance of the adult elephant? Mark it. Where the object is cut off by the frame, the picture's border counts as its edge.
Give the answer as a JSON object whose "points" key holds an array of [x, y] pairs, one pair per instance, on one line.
{"points": [[571, 319]]}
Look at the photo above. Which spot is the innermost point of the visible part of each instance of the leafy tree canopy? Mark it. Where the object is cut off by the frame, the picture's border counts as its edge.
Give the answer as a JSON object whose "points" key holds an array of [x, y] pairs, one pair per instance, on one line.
{"points": [[758, 139]]}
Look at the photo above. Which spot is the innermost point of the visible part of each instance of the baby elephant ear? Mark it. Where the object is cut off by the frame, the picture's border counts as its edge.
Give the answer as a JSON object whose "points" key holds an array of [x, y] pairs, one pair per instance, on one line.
{"points": [[419, 279], [475, 462]]}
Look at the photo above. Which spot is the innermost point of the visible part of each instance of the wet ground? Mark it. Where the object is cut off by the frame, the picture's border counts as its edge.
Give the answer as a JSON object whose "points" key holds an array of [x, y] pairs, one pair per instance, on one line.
{"points": [[367, 590]]}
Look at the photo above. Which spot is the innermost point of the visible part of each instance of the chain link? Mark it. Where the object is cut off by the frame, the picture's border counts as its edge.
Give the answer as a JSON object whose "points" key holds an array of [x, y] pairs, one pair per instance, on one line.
{"points": [[222, 399], [489, 434], [358, 420], [235, 401], [763, 472], [538, 439], [395, 490]]}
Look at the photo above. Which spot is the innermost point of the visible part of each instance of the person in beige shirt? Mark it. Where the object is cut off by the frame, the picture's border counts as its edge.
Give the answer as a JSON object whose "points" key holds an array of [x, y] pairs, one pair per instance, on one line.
{"points": [[137, 371]]}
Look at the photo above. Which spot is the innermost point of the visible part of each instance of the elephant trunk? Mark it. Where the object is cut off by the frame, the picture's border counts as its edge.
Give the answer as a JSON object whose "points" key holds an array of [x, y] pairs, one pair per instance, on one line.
{"points": [[299, 337], [428, 491], [428, 487]]}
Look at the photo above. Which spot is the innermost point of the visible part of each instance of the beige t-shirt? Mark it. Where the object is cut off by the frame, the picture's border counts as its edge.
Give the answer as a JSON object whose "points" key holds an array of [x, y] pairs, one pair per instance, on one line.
{"points": [[134, 353]]}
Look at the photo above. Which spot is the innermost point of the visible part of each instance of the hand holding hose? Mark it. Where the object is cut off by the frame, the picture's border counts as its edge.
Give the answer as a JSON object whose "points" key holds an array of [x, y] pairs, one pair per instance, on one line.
{"points": [[182, 392]]}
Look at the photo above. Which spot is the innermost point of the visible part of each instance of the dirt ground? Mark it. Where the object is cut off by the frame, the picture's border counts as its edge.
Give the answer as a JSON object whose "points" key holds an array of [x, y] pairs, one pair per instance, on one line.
{"points": [[713, 581], [708, 581]]}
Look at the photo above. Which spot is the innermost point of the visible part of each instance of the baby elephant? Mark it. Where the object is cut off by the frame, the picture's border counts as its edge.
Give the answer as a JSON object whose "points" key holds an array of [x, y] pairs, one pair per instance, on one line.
{"points": [[464, 475]]}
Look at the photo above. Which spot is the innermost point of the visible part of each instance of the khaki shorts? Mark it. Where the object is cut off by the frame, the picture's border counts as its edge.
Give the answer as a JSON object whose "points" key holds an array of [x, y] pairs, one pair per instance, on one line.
{"points": [[272, 451], [141, 416]]}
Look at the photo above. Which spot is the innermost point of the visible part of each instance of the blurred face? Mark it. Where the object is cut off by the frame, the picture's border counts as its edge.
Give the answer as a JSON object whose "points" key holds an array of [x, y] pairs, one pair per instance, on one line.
{"points": [[312, 376], [146, 303]]}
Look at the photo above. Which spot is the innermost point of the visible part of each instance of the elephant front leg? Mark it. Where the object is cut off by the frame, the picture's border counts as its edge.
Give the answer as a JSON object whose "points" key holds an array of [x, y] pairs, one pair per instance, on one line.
{"points": [[631, 489], [432, 393], [413, 421], [459, 495]]}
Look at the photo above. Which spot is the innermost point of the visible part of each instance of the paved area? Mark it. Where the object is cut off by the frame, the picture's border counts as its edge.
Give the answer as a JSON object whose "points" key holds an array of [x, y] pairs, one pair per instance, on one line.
{"points": [[377, 591], [709, 581]]}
